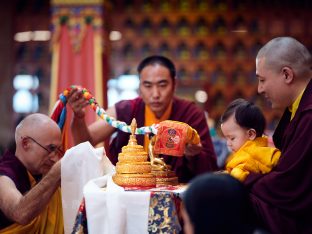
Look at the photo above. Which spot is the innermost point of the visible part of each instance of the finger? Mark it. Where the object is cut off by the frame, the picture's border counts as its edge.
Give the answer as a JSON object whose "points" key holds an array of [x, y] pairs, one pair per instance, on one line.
{"points": [[81, 104], [81, 101], [85, 104], [76, 97], [72, 92], [72, 97]]}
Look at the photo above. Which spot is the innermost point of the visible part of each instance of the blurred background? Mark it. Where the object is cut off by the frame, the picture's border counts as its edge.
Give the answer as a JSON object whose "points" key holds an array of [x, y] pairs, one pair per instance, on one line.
{"points": [[213, 44]]}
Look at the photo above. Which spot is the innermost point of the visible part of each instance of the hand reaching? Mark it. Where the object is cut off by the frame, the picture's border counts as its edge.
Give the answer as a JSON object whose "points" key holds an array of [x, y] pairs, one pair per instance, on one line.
{"points": [[192, 150], [77, 102]]}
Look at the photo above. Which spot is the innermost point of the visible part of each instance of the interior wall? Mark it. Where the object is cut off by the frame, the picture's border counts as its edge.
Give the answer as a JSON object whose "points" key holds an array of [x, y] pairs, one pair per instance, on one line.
{"points": [[6, 67]]}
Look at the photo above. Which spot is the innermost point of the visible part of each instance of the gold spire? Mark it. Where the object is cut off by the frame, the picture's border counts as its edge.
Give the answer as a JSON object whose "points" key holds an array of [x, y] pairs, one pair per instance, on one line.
{"points": [[132, 139]]}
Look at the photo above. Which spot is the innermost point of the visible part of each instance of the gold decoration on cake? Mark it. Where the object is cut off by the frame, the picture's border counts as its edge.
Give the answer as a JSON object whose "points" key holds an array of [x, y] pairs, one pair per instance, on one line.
{"points": [[162, 171], [157, 163], [133, 168]]}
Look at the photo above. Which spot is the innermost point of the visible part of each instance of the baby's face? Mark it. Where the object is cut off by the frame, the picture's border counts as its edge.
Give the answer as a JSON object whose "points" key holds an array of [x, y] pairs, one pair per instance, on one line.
{"points": [[235, 135]]}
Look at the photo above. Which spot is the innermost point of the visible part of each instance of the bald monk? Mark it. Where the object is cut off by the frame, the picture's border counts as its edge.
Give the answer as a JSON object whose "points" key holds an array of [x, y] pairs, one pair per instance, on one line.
{"points": [[30, 200], [283, 197]]}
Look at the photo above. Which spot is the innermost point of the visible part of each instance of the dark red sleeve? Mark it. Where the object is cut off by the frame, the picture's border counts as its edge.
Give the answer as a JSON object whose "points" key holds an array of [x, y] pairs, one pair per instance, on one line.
{"points": [[206, 160], [283, 198]]}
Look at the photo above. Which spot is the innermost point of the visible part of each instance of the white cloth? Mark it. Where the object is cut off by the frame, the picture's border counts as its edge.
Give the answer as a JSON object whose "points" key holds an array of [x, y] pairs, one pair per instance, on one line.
{"points": [[80, 164], [111, 210]]}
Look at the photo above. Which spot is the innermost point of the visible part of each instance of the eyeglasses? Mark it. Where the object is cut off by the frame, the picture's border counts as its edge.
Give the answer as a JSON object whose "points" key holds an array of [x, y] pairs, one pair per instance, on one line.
{"points": [[50, 148]]}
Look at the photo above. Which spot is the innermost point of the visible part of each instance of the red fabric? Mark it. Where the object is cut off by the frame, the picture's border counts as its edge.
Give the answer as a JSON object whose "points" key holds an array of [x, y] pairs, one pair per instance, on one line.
{"points": [[171, 138], [76, 68]]}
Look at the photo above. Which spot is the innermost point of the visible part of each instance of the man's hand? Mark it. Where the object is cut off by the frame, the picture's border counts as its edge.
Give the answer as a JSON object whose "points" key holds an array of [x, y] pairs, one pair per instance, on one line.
{"points": [[23, 208], [77, 102], [192, 150]]}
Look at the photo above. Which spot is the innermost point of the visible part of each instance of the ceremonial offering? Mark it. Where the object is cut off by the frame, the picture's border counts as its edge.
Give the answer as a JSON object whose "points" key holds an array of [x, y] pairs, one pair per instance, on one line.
{"points": [[162, 171], [167, 177], [133, 168], [172, 136], [176, 133]]}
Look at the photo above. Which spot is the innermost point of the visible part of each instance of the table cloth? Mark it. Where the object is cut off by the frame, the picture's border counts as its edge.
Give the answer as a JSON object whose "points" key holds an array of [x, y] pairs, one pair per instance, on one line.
{"points": [[109, 208]]}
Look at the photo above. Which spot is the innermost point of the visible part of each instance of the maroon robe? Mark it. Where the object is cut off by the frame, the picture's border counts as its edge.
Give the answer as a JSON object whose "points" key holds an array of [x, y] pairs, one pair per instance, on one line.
{"points": [[283, 198], [183, 111], [12, 167]]}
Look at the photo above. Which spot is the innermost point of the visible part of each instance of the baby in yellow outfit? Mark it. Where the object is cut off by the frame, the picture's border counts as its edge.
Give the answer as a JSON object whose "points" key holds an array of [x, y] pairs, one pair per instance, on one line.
{"points": [[243, 125]]}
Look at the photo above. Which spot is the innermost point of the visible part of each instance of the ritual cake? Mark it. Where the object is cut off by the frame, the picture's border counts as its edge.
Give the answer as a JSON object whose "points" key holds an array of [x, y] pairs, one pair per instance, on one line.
{"points": [[133, 168]]}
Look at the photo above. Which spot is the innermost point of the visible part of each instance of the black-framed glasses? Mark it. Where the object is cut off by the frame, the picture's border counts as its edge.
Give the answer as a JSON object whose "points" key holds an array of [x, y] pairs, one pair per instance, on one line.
{"points": [[50, 148]]}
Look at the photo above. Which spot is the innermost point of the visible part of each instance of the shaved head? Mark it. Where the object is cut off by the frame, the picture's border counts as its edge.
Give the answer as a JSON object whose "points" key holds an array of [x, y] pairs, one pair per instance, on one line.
{"points": [[287, 51], [35, 125], [34, 137]]}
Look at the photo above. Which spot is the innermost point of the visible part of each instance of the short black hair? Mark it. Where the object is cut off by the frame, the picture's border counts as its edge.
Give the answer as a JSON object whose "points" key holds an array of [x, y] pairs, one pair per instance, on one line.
{"points": [[247, 115], [161, 60], [218, 203]]}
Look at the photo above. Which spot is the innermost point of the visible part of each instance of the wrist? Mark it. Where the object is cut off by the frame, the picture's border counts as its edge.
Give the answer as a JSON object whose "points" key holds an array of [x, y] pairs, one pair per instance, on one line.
{"points": [[56, 169], [79, 116]]}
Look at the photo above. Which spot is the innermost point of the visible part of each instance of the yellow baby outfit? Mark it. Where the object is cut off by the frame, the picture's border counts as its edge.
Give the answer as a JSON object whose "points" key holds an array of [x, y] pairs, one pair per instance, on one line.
{"points": [[254, 156]]}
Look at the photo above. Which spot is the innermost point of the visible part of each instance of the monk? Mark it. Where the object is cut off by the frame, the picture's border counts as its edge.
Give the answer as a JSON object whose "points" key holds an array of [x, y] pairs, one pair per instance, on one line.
{"points": [[30, 199], [217, 204], [282, 198], [155, 104]]}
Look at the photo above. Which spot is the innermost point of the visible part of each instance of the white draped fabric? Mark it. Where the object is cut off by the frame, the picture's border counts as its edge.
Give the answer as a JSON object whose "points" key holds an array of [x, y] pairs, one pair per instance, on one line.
{"points": [[111, 210], [80, 164]]}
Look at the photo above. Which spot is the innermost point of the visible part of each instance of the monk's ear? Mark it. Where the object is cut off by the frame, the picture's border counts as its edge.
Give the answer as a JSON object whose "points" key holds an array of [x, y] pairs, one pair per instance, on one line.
{"points": [[25, 143], [288, 75], [252, 134]]}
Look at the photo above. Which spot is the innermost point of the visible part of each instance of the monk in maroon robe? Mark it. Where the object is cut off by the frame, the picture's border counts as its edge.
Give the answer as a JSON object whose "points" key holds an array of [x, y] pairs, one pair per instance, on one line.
{"points": [[156, 103], [282, 198]]}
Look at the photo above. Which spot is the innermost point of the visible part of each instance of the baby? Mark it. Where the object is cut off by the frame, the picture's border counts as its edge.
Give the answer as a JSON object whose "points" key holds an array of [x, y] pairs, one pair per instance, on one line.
{"points": [[242, 125]]}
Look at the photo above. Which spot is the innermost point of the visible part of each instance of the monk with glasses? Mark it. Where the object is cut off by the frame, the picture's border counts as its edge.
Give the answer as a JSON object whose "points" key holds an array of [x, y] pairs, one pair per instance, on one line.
{"points": [[30, 198]]}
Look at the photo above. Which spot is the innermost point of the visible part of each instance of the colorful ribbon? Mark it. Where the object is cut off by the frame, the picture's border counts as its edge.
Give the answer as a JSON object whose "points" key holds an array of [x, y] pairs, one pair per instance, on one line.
{"points": [[59, 113]]}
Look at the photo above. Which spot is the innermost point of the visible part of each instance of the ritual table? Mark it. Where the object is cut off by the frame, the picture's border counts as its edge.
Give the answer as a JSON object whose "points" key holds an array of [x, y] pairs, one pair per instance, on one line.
{"points": [[112, 209]]}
